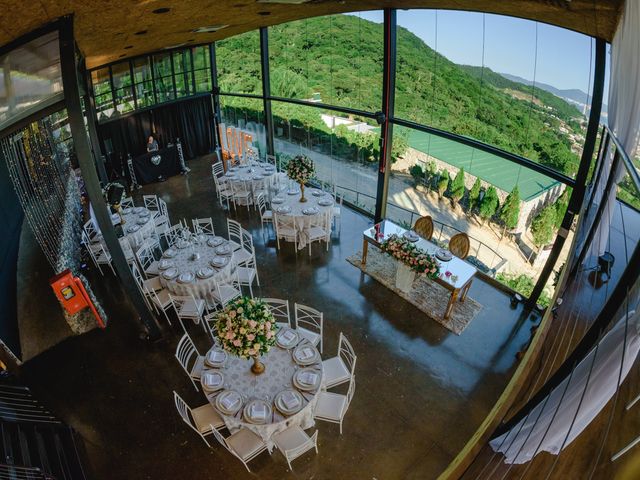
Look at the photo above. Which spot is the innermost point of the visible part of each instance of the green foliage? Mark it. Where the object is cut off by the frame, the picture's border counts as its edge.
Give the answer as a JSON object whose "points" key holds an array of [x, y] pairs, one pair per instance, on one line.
{"points": [[511, 208], [489, 204], [543, 226], [561, 206], [457, 186], [523, 284], [417, 173], [443, 182], [474, 194]]}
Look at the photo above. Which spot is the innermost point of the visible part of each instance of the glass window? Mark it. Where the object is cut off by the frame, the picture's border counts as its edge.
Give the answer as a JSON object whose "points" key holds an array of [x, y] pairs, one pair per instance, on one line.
{"points": [[335, 59], [143, 82], [246, 114], [103, 95], [202, 68], [123, 87], [183, 69], [163, 72], [238, 64], [31, 75]]}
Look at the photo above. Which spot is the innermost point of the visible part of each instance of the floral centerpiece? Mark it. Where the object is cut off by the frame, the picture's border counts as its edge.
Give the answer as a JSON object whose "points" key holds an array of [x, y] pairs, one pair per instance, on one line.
{"points": [[246, 328], [409, 254], [300, 169]]}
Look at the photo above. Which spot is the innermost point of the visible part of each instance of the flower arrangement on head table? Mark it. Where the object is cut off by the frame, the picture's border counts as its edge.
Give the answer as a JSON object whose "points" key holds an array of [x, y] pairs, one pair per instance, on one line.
{"points": [[415, 258], [300, 169], [246, 327]]}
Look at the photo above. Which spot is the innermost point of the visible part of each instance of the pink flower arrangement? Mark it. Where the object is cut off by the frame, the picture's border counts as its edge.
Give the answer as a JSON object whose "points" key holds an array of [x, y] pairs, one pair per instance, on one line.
{"points": [[246, 327], [300, 169], [406, 252]]}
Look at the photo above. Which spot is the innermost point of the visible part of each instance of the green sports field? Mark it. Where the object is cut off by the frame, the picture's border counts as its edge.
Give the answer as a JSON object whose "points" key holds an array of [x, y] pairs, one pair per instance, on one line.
{"points": [[490, 168]]}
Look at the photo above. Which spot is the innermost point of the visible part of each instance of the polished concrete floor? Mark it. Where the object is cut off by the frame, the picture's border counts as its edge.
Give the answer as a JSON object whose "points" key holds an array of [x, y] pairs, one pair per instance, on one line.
{"points": [[421, 390]]}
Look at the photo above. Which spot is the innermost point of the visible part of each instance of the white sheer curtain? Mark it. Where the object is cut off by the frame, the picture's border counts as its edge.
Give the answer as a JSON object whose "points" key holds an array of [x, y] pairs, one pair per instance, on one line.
{"points": [[566, 412], [624, 111]]}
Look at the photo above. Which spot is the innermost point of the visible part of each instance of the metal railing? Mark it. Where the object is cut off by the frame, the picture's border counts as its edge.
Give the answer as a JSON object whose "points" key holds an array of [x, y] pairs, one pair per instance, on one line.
{"points": [[18, 405], [15, 472]]}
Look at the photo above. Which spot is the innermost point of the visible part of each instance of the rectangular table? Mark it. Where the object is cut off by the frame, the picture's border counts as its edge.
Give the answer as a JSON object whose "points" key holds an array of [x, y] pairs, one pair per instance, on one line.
{"points": [[464, 270]]}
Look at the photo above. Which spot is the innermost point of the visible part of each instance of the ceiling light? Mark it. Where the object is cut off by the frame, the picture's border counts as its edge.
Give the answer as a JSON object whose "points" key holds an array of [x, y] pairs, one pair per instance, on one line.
{"points": [[209, 28], [161, 10], [288, 2], [141, 32]]}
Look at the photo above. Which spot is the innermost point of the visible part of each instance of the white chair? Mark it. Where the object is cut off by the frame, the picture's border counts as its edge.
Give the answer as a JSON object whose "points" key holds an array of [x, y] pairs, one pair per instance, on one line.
{"points": [[337, 211], [309, 322], [319, 231], [172, 233], [259, 187], [294, 442], [160, 299], [86, 241], [248, 272], [190, 359], [217, 170], [234, 234], [332, 407], [341, 368], [127, 203], [266, 216], [100, 256], [162, 218], [242, 444], [92, 234], [271, 159], [223, 293], [203, 420], [187, 307], [147, 262], [208, 323], [151, 203], [203, 225], [280, 310], [242, 194], [285, 229], [224, 192], [137, 276], [245, 254]]}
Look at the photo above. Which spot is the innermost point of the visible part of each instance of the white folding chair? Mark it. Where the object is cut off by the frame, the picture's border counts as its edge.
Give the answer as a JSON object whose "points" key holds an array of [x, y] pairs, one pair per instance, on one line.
{"points": [[266, 216], [86, 241], [146, 261], [224, 192], [341, 368], [332, 407], [172, 234], [309, 322], [162, 218], [92, 234], [187, 307], [203, 420], [217, 170], [244, 255], [203, 225], [151, 203], [160, 299], [223, 293], [280, 310], [248, 272], [100, 256], [190, 359], [319, 231], [127, 203], [242, 444], [234, 234], [242, 194], [294, 442], [285, 229], [271, 159]]}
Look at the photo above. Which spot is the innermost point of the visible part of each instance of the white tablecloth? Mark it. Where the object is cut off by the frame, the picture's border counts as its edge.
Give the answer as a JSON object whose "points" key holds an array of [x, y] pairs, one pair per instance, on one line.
{"points": [[137, 217], [255, 175], [199, 287], [277, 377], [292, 201]]}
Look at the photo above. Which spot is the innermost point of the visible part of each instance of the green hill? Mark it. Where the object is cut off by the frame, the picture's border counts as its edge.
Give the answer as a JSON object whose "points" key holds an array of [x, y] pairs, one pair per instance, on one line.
{"points": [[340, 58]]}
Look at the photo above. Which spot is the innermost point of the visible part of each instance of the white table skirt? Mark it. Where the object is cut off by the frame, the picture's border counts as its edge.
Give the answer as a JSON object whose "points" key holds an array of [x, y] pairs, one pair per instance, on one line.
{"points": [[277, 377], [200, 287]]}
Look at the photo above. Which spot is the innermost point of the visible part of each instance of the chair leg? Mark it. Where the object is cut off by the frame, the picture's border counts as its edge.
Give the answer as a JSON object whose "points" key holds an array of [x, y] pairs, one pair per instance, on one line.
{"points": [[194, 383], [167, 317]]}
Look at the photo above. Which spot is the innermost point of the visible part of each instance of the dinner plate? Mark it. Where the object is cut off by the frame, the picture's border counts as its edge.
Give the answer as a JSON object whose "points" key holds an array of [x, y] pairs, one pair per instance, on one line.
{"points": [[215, 241], [251, 412], [307, 379], [212, 381], [284, 209], [223, 250], [229, 402], [164, 264], [127, 211], [311, 211], [325, 202], [287, 338], [205, 272], [169, 253], [219, 262], [277, 200], [186, 277], [137, 209], [256, 177], [317, 193], [133, 228], [170, 273], [288, 402], [145, 214], [411, 236], [305, 354], [444, 255], [293, 192], [215, 358], [142, 220]]}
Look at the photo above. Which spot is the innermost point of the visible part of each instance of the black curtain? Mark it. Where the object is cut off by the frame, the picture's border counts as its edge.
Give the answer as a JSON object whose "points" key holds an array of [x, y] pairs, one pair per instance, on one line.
{"points": [[190, 120]]}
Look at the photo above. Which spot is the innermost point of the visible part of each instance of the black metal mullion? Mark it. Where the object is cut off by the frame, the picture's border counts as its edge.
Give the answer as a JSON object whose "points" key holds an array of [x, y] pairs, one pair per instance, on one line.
{"points": [[113, 90], [173, 77], [266, 88], [133, 85], [388, 103], [153, 80], [193, 73]]}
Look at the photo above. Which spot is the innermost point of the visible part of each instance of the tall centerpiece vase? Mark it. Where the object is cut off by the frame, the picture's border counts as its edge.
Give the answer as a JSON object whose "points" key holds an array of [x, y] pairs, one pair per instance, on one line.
{"points": [[302, 199], [404, 277], [258, 367]]}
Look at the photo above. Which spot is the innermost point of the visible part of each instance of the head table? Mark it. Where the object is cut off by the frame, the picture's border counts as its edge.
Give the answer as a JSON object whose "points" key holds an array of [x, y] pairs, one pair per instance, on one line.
{"points": [[304, 214], [191, 267], [234, 391], [462, 273]]}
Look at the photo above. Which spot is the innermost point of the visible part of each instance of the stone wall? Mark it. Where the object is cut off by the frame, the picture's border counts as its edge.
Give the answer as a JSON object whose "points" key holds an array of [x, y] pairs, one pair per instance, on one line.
{"points": [[528, 209]]}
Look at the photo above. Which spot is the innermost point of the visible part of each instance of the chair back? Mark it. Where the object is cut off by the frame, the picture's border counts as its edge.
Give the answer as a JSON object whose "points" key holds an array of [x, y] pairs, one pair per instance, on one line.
{"points": [[309, 318], [162, 206], [262, 204], [279, 309], [350, 393], [283, 221], [185, 351], [247, 241], [459, 245], [271, 159], [234, 230], [424, 227], [151, 202], [217, 169], [294, 452], [222, 440], [127, 203], [346, 353], [137, 276], [145, 257], [203, 225], [90, 230], [172, 234]]}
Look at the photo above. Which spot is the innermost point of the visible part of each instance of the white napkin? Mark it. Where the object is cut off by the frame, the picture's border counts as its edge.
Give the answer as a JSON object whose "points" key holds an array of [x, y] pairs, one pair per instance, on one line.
{"points": [[305, 353], [288, 335], [229, 401], [290, 400], [216, 356], [258, 411], [212, 379], [308, 378]]}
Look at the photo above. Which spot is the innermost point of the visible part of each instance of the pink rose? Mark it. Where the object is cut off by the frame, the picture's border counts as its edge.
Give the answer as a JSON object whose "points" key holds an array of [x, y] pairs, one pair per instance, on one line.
{"points": [[237, 342], [251, 336], [230, 335]]}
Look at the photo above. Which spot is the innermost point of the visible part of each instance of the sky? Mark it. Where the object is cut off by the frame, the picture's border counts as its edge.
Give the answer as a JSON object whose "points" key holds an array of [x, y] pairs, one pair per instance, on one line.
{"points": [[563, 57]]}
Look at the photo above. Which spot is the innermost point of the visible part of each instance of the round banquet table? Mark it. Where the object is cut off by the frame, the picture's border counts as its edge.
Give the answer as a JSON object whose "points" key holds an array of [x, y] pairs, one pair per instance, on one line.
{"points": [[183, 261], [287, 204], [138, 226], [277, 377], [254, 173]]}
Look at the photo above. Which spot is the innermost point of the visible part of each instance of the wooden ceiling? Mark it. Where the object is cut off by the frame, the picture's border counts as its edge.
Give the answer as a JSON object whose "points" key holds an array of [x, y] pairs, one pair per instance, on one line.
{"points": [[108, 30]]}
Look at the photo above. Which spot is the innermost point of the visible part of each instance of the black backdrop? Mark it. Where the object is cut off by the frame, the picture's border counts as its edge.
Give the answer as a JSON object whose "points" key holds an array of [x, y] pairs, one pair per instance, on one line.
{"points": [[190, 120]]}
